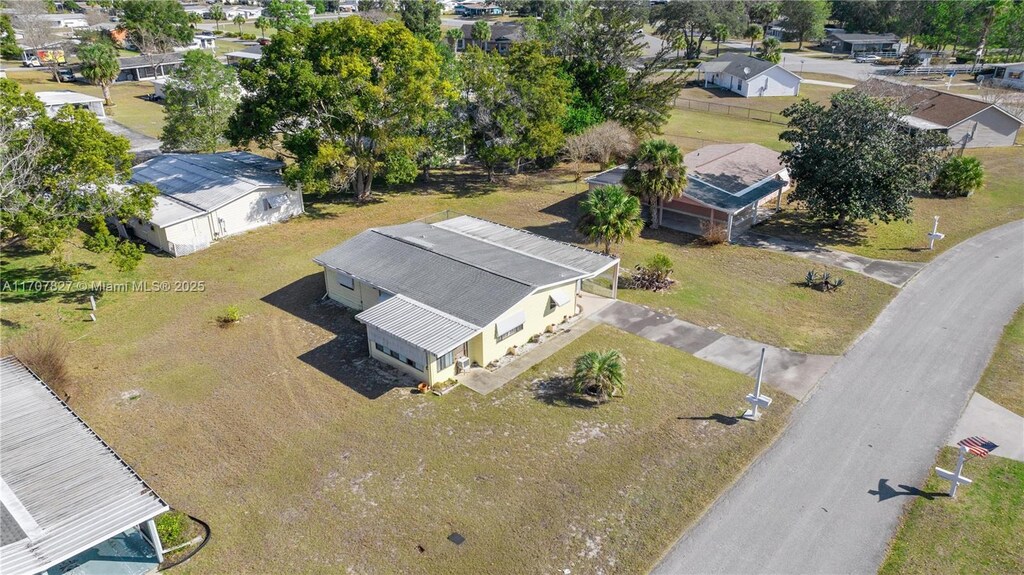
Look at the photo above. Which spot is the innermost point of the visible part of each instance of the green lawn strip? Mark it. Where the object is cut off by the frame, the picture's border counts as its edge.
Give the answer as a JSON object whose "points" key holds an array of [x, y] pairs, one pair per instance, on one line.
{"points": [[691, 129], [999, 202], [768, 304], [981, 531], [719, 98], [825, 78], [1002, 379]]}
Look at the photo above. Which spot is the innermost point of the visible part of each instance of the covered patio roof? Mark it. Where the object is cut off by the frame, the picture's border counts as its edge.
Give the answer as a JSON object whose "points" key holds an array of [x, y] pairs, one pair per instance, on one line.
{"points": [[418, 324]]}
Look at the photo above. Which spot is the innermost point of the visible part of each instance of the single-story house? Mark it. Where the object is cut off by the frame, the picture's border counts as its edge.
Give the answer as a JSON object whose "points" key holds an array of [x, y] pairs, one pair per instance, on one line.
{"points": [[503, 35], [477, 9], [68, 502], [32, 21], [200, 42], [437, 298], [244, 55], [849, 43], [967, 121], [151, 67], [731, 185], [1008, 76], [205, 197], [749, 77], [56, 99]]}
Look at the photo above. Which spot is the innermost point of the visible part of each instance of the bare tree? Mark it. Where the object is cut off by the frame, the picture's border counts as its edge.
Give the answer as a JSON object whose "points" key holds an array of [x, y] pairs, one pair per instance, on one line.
{"points": [[577, 150], [611, 142], [17, 162], [37, 31]]}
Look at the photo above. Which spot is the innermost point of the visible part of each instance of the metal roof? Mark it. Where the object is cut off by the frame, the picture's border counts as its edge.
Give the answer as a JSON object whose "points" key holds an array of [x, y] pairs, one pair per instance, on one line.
{"points": [[167, 211], [59, 482], [735, 64], [63, 97], [609, 177], [717, 198], [853, 38], [208, 181], [129, 62], [418, 324]]}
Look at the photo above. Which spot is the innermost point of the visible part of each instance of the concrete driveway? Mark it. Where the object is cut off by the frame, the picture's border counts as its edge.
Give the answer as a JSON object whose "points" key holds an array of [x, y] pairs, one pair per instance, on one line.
{"points": [[814, 503]]}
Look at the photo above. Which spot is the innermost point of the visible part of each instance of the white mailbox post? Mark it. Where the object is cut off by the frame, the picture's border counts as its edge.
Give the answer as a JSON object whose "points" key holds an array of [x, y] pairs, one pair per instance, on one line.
{"points": [[755, 399], [935, 235], [954, 477]]}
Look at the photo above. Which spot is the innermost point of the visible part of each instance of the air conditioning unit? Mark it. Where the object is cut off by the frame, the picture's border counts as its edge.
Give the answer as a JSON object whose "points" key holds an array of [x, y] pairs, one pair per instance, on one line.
{"points": [[461, 364]]}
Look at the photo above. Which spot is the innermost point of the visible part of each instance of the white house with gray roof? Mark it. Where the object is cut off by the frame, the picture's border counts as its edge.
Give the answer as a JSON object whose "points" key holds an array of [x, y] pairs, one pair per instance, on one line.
{"points": [[69, 503], [437, 298], [206, 197], [749, 77]]}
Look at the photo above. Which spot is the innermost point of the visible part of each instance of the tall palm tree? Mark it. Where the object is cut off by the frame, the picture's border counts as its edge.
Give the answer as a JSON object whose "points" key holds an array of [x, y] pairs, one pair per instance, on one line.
{"points": [[100, 66], [610, 215], [240, 19], [755, 32], [656, 174], [721, 34], [601, 373], [217, 14], [771, 50], [263, 23]]}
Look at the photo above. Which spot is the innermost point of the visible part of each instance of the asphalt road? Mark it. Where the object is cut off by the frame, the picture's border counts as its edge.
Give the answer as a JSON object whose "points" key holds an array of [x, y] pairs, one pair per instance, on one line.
{"points": [[827, 496]]}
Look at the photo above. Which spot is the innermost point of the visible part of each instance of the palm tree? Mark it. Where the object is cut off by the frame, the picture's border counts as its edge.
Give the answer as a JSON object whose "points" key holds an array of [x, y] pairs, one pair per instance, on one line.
{"points": [[755, 32], [453, 35], [610, 215], [480, 33], [217, 14], [721, 34], [100, 66], [263, 23], [770, 50], [240, 19], [656, 174], [601, 373]]}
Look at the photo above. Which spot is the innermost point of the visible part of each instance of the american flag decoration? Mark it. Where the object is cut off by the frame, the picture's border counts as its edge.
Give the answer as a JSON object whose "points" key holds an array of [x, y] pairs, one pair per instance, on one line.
{"points": [[978, 445]]}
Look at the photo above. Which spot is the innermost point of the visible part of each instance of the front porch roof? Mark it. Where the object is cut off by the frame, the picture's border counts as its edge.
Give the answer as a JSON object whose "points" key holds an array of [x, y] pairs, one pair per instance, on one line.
{"points": [[418, 324], [721, 200]]}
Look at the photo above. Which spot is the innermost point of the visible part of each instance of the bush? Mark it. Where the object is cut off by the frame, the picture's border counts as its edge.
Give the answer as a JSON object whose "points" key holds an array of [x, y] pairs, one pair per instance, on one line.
{"points": [[653, 275], [230, 316], [171, 527], [45, 353], [231, 34], [713, 233], [247, 36], [959, 177], [127, 256], [823, 282], [101, 240]]}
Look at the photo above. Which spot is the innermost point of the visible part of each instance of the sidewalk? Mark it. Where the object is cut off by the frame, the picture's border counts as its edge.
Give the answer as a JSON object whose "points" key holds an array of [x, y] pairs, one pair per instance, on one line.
{"points": [[791, 372], [891, 272], [990, 420]]}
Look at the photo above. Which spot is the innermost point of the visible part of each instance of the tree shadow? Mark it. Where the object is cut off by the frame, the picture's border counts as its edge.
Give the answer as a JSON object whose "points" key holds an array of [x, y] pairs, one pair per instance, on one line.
{"points": [[797, 225], [885, 491], [461, 181], [558, 391], [716, 417], [38, 283]]}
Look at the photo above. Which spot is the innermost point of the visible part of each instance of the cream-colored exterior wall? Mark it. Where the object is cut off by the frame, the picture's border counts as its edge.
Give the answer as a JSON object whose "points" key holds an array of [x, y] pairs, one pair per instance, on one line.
{"points": [[360, 297], [434, 375], [537, 319], [421, 375]]}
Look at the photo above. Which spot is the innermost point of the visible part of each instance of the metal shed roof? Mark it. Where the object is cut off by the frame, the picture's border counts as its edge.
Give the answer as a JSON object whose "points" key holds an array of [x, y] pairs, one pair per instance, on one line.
{"points": [[208, 181], [66, 490], [167, 211], [418, 324], [62, 97]]}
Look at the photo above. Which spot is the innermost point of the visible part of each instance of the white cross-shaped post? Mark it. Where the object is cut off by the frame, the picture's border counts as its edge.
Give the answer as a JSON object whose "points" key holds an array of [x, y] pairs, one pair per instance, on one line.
{"points": [[954, 477], [756, 399], [935, 235]]}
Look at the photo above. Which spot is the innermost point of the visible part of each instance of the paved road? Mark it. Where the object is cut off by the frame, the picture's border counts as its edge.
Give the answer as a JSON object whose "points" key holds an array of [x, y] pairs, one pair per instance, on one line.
{"points": [[826, 498]]}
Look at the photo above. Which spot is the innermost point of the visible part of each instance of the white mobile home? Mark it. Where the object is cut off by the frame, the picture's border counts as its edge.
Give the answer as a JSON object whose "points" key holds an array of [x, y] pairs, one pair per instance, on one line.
{"points": [[749, 77], [205, 197], [54, 100]]}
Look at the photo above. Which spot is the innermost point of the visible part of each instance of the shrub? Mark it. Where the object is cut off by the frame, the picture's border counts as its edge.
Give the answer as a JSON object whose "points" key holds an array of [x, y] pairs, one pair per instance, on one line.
{"points": [[713, 233], [600, 373], [171, 527], [823, 282], [230, 316], [101, 240], [45, 353], [659, 264], [652, 275], [247, 36], [959, 177], [127, 256]]}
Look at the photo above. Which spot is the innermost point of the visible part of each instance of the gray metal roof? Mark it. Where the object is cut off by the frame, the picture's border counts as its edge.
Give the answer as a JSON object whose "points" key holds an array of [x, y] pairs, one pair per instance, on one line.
{"points": [[609, 177], [583, 261], [60, 483], [167, 211], [63, 97], [854, 38], [208, 181], [735, 63], [420, 325], [129, 62], [727, 202]]}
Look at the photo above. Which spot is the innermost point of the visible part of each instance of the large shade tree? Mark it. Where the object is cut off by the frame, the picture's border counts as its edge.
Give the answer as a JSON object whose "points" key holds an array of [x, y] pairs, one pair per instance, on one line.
{"points": [[656, 174], [200, 97], [287, 14], [691, 23], [422, 18], [610, 215], [100, 66], [156, 25], [806, 18], [851, 161], [347, 100]]}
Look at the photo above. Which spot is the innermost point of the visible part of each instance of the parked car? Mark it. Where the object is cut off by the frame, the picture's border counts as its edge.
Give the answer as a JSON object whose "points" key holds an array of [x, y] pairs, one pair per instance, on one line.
{"points": [[66, 75], [869, 59], [263, 41], [31, 62]]}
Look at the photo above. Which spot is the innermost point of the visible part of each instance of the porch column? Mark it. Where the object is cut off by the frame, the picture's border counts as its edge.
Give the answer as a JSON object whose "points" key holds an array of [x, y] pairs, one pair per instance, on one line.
{"points": [[778, 202], [755, 214], [615, 283], [728, 232], [149, 530]]}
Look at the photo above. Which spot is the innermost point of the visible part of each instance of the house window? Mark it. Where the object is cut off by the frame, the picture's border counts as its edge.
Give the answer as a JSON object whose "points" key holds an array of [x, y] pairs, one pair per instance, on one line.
{"points": [[445, 361], [551, 305], [412, 364], [509, 326], [381, 348], [739, 85], [274, 202], [510, 333], [346, 281]]}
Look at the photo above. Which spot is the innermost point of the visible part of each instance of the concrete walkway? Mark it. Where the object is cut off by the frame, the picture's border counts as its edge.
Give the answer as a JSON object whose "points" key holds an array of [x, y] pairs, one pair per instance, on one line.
{"points": [[989, 419], [891, 272], [789, 371], [824, 83]]}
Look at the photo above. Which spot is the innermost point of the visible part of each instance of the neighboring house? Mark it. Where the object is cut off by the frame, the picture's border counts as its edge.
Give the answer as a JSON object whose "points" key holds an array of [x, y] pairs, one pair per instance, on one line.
{"points": [[439, 298], [200, 42], [57, 99], [726, 184], [69, 503], [1008, 76], [246, 54], [151, 67], [23, 22], [853, 44], [206, 197], [477, 9], [749, 77], [968, 122], [503, 35]]}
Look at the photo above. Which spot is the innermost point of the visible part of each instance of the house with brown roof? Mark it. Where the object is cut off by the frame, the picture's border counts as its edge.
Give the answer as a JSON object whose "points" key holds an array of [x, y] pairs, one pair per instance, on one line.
{"points": [[503, 35], [731, 185], [968, 122]]}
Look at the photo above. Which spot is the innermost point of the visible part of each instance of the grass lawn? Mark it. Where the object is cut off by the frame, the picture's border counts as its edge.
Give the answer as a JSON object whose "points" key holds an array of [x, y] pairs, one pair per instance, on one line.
{"points": [[999, 202], [129, 106], [980, 531], [1002, 379], [719, 100], [690, 129], [825, 78]]}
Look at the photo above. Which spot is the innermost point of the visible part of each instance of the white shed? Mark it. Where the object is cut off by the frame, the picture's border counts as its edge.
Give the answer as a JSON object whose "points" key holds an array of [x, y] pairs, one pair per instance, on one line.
{"points": [[205, 197], [56, 99], [750, 77]]}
